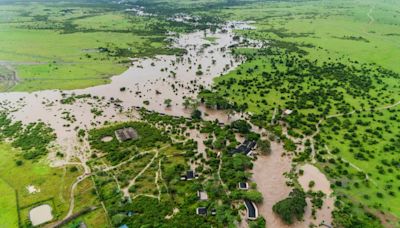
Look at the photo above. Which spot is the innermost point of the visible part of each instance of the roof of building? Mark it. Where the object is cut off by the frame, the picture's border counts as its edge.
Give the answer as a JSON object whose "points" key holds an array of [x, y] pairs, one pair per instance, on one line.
{"points": [[125, 134], [251, 209], [246, 147], [243, 185], [202, 195], [201, 211], [287, 112], [190, 174], [213, 211]]}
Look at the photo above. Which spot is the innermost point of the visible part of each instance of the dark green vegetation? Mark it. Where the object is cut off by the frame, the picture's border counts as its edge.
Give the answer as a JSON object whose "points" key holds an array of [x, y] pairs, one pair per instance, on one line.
{"points": [[274, 78], [32, 139], [140, 180], [116, 151], [291, 207]]}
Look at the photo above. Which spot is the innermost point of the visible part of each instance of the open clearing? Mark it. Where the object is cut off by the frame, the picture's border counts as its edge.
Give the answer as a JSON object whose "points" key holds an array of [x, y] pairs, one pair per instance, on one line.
{"points": [[38, 174]]}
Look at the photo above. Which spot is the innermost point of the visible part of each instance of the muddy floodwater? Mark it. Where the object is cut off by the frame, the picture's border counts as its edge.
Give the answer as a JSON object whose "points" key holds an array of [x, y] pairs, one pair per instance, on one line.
{"points": [[151, 80]]}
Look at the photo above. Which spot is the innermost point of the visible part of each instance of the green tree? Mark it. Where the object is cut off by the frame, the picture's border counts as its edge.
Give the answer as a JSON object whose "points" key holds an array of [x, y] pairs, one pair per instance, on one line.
{"points": [[196, 114], [264, 146], [168, 102], [291, 207], [241, 126]]}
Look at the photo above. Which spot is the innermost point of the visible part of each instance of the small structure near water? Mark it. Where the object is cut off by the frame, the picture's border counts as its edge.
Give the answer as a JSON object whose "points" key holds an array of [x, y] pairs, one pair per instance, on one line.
{"points": [[252, 211], [40, 214], [243, 186], [245, 148], [190, 175], [126, 134]]}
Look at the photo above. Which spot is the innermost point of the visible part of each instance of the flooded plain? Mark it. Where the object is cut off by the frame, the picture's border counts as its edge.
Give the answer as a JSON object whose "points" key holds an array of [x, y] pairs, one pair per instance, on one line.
{"points": [[148, 83]]}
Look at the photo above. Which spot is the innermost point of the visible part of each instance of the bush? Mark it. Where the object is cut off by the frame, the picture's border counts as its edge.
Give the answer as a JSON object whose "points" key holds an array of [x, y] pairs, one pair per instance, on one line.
{"points": [[264, 146], [293, 206], [253, 195], [241, 126]]}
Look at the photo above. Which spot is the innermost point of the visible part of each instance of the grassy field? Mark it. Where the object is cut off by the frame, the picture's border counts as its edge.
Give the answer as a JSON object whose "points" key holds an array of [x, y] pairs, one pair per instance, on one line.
{"points": [[359, 30], [372, 149], [9, 210], [38, 174], [67, 46], [87, 197]]}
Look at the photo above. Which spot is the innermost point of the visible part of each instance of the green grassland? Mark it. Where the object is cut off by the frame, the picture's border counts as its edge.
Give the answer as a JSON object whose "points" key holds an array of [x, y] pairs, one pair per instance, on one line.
{"points": [[369, 140], [8, 201], [272, 79], [39, 174], [88, 197], [359, 30], [63, 46]]}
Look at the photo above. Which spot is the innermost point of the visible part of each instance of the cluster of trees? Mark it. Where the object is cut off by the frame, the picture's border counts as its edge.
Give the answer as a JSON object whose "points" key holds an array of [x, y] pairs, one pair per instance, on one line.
{"points": [[311, 89], [292, 207], [116, 151], [174, 192], [241, 126], [348, 215], [220, 140], [33, 139]]}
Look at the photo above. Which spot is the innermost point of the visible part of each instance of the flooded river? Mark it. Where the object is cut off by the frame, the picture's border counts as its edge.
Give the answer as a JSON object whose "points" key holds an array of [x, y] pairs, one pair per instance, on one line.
{"points": [[148, 80], [148, 83]]}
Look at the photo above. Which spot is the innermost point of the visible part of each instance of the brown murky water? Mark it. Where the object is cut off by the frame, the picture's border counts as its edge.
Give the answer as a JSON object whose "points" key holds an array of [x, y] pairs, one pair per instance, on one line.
{"points": [[268, 173], [149, 79], [312, 173]]}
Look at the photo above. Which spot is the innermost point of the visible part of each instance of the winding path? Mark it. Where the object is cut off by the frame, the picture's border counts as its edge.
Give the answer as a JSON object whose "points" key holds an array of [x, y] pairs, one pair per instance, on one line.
{"points": [[132, 182], [317, 126], [371, 19]]}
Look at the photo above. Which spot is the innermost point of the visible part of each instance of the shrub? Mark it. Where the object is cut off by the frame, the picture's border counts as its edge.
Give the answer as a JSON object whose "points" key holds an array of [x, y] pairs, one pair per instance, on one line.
{"points": [[293, 206]]}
